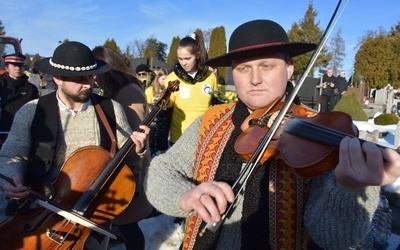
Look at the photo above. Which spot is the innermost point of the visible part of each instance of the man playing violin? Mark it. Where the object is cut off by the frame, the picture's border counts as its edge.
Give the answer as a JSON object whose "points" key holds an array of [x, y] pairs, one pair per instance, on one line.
{"points": [[276, 209], [48, 130]]}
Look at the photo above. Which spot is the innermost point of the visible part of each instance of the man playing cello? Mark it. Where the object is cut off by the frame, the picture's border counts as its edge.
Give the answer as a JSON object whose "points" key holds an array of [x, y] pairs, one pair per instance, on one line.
{"points": [[48, 130]]}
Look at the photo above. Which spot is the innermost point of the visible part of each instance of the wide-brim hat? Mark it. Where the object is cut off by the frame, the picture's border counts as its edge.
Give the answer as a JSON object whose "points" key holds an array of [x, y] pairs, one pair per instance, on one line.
{"points": [[257, 38], [72, 59]]}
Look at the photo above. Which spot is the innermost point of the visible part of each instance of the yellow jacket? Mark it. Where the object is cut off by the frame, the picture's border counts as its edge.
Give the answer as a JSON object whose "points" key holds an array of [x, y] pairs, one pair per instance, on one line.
{"points": [[191, 101]]}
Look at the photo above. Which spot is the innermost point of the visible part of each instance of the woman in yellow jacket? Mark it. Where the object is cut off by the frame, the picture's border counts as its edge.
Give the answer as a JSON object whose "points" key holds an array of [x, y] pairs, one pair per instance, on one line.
{"points": [[196, 84]]}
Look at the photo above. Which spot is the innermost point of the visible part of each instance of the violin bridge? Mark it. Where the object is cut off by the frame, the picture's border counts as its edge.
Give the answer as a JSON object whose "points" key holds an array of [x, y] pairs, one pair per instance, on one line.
{"points": [[58, 238]]}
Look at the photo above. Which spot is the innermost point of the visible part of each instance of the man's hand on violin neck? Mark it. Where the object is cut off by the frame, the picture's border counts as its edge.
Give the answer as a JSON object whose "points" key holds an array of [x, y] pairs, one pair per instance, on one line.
{"points": [[365, 165], [209, 200]]}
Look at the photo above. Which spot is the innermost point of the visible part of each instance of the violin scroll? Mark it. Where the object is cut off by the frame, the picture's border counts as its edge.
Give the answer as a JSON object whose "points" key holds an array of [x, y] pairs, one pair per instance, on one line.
{"points": [[173, 86]]}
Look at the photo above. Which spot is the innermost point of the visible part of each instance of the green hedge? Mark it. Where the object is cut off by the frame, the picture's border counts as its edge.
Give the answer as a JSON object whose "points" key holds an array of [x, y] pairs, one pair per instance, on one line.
{"points": [[386, 119], [349, 104]]}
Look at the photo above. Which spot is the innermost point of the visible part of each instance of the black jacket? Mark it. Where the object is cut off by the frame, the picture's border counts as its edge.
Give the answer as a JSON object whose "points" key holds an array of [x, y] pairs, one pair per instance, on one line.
{"points": [[328, 90], [341, 84], [14, 94]]}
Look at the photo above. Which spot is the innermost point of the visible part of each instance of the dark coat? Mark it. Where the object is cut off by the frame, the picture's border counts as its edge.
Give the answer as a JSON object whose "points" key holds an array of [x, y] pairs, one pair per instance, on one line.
{"points": [[13, 96], [341, 84], [329, 91]]}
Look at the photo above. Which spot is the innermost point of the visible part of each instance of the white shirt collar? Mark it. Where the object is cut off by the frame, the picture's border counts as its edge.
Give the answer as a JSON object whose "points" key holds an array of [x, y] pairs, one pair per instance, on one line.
{"points": [[64, 107]]}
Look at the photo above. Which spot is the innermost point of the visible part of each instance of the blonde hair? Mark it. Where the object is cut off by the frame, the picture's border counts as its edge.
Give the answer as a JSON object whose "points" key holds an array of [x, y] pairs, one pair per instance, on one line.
{"points": [[157, 88]]}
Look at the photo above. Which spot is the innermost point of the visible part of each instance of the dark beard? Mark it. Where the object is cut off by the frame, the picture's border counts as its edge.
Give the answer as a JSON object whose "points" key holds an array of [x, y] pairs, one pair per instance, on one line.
{"points": [[81, 97]]}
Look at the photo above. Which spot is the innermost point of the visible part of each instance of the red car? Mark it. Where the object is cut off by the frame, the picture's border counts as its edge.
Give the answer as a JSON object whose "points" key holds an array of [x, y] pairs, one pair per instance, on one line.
{"points": [[8, 45]]}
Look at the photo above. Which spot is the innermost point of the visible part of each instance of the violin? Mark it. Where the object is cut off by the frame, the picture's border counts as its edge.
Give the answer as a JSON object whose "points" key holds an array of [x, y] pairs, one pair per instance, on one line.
{"points": [[262, 149], [93, 187], [308, 145]]}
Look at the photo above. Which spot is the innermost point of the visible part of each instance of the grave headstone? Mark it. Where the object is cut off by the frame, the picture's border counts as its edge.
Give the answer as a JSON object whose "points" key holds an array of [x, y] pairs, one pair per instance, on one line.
{"points": [[381, 96]]}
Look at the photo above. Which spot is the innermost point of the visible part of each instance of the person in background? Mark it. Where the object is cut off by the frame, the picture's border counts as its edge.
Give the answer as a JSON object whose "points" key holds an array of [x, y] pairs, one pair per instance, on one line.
{"points": [[196, 84], [159, 131], [47, 84], [34, 78], [121, 85], [276, 209], [328, 91], [341, 84], [47, 131], [15, 89], [156, 69], [145, 75]]}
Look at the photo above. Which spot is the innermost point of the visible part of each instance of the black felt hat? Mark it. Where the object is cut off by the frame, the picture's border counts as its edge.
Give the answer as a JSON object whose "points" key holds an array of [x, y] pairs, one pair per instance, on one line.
{"points": [[259, 37], [72, 59], [142, 67]]}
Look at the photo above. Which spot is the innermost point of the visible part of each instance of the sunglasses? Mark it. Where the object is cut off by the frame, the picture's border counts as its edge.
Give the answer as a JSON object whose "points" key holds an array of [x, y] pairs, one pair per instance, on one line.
{"points": [[142, 74]]}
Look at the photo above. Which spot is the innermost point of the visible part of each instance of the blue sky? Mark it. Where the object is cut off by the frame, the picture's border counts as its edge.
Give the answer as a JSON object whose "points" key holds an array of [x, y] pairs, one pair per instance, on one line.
{"points": [[42, 23]]}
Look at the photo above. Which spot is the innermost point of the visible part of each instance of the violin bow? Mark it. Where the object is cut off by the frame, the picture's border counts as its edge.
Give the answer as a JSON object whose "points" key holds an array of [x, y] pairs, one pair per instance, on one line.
{"points": [[65, 212], [258, 154], [255, 159]]}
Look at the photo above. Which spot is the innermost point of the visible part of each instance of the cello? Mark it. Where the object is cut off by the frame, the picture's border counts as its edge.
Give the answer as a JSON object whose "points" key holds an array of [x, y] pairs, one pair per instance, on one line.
{"points": [[89, 203]]}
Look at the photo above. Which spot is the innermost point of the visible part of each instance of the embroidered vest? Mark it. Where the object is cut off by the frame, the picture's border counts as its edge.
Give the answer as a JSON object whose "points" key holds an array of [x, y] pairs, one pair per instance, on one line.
{"points": [[288, 192]]}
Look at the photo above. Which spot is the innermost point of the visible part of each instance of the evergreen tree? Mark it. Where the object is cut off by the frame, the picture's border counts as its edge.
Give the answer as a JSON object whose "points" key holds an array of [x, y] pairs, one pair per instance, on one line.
{"points": [[157, 49], [394, 30], [307, 30], [28, 60], [148, 52], [395, 35], [375, 59], [199, 32], [172, 57], [149, 48], [35, 58], [337, 51], [112, 45], [161, 51], [218, 46]]}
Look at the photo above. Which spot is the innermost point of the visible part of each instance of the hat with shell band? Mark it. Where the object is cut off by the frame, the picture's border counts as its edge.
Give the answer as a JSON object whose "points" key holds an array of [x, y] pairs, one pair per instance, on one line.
{"points": [[72, 59], [258, 38], [16, 58]]}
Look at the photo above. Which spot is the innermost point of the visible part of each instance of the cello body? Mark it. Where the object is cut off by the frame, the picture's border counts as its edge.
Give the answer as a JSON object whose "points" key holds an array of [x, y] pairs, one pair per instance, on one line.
{"points": [[93, 183], [42, 229]]}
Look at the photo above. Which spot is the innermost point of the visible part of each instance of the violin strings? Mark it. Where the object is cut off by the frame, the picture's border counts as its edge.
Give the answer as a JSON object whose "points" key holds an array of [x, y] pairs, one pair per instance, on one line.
{"points": [[321, 134], [59, 231], [317, 133]]}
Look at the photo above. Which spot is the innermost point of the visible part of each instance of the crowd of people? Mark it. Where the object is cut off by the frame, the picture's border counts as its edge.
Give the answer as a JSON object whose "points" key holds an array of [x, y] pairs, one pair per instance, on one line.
{"points": [[186, 162]]}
